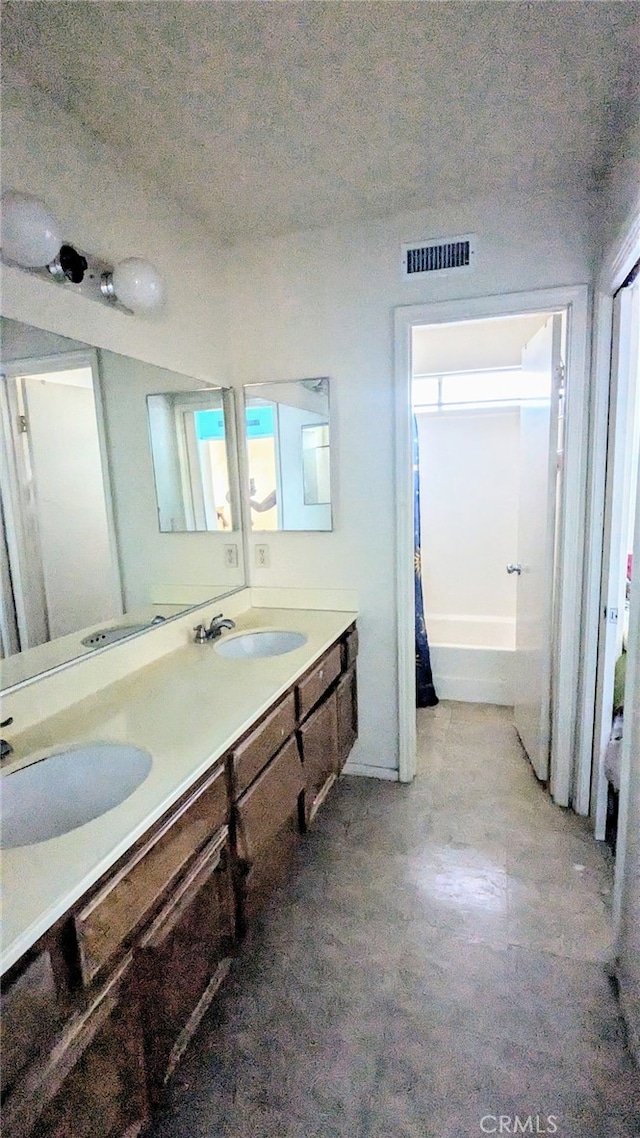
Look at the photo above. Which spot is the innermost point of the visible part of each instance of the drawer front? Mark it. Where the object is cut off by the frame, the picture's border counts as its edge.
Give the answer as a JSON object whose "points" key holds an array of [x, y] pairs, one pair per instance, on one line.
{"points": [[265, 807], [251, 756], [312, 688], [104, 925], [350, 649], [30, 1016]]}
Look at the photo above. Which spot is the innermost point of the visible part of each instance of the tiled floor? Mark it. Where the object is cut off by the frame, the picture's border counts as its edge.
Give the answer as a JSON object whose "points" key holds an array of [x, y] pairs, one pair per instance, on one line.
{"points": [[439, 961]]}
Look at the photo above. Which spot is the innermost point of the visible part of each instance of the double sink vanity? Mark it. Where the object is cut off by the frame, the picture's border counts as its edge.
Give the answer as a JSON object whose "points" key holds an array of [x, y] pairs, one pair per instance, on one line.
{"points": [[122, 914]]}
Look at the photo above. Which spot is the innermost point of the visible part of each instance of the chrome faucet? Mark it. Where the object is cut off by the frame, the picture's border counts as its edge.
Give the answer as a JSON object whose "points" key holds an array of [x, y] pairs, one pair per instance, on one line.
{"points": [[214, 630]]}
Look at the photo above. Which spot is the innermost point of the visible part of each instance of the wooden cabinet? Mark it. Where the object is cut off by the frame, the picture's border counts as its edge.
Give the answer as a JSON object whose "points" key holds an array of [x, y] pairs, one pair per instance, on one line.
{"points": [[182, 959], [97, 1014], [92, 1084]]}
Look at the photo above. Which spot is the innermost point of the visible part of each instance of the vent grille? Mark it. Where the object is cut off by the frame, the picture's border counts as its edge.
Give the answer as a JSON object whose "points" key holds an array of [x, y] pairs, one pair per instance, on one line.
{"points": [[443, 255]]}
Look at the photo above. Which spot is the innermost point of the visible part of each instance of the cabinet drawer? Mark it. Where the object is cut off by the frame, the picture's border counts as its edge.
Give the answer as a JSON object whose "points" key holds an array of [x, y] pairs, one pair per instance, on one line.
{"points": [[249, 758], [30, 1015], [264, 808], [312, 688], [136, 890], [350, 649]]}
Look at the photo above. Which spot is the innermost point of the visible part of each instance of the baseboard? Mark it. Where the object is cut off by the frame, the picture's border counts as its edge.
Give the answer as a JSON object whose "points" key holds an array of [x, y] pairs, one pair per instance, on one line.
{"points": [[366, 771]]}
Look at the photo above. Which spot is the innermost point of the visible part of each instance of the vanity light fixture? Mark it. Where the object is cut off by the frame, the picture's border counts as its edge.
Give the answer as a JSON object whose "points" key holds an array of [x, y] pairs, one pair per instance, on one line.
{"points": [[30, 234], [31, 240]]}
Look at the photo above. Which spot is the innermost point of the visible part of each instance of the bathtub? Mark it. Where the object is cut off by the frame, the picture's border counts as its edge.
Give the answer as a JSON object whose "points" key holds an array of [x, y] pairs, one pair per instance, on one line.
{"points": [[472, 657]]}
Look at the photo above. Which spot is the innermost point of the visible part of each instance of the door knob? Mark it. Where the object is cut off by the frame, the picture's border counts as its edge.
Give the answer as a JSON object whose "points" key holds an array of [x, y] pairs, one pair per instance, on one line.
{"points": [[514, 569]]}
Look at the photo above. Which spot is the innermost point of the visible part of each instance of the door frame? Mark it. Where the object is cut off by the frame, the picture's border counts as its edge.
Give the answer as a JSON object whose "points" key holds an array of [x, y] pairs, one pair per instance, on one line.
{"points": [[23, 542], [576, 301]]}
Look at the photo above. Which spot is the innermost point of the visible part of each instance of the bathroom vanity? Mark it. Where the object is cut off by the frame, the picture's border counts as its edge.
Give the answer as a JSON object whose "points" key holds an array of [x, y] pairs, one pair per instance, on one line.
{"points": [[114, 959]]}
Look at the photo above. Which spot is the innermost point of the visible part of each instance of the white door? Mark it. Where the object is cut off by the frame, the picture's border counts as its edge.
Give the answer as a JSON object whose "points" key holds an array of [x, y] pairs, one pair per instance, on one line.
{"points": [[534, 568]]}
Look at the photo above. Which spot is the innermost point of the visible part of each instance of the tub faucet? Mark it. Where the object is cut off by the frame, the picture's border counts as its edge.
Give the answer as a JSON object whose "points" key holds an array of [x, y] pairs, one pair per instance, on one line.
{"points": [[214, 630]]}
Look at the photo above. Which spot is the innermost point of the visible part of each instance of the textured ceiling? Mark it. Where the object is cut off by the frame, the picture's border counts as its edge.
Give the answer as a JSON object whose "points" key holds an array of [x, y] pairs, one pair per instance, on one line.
{"points": [[261, 118]]}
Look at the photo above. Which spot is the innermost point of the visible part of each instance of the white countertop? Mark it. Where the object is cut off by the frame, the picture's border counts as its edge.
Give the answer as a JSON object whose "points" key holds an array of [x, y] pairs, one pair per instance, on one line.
{"points": [[186, 709]]}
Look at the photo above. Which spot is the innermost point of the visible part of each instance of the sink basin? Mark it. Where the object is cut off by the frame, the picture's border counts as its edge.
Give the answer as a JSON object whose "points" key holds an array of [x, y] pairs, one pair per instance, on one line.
{"points": [[64, 790], [262, 643]]}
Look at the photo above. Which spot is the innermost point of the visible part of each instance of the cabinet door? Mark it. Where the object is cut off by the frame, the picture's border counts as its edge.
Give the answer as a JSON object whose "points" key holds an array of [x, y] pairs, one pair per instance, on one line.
{"points": [[31, 1014], [93, 1084], [182, 960], [347, 710], [267, 829], [320, 754]]}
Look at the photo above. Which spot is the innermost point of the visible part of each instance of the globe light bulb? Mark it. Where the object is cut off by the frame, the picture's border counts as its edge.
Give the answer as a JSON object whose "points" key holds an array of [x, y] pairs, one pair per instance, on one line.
{"points": [[137, 285], [30, 234]]}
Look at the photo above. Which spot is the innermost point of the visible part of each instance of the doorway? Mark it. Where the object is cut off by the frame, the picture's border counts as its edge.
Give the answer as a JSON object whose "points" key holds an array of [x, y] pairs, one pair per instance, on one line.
{"points": [[57, 552], [572, 302], [487, 398]]}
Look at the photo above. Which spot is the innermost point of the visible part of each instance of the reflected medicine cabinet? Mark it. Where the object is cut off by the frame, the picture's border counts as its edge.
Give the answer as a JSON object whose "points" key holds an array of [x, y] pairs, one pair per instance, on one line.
{"points": [[287, 438]]}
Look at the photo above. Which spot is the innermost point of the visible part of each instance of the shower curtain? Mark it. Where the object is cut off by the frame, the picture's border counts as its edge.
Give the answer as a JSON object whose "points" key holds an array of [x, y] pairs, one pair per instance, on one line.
{"points": [[425, 691]]}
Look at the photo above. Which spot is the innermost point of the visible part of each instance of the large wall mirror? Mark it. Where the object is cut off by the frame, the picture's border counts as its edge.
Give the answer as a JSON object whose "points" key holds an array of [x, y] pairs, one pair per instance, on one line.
{"points": [[287, 435], [85, 552]]}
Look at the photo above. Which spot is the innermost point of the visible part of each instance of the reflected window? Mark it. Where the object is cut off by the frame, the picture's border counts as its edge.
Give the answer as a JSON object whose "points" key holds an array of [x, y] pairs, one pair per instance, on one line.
{"points": [[501, 387]]}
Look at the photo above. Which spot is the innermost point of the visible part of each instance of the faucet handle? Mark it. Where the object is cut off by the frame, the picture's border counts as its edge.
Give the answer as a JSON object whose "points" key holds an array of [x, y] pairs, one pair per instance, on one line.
{"points": [[201, 634], [212, 622]]}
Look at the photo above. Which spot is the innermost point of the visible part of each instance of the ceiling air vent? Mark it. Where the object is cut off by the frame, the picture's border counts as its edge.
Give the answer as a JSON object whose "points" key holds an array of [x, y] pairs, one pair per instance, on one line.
{"points": [[443, 255]]}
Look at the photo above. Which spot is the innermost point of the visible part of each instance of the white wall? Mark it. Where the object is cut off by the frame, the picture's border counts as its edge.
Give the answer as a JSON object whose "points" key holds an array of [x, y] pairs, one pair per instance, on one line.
{"points": [[154, 565], [322, 304], [469, 464]]}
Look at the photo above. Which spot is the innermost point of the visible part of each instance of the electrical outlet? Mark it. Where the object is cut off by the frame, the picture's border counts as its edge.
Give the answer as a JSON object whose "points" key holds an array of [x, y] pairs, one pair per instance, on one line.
{"points": [[262, 556], [231, 556]]}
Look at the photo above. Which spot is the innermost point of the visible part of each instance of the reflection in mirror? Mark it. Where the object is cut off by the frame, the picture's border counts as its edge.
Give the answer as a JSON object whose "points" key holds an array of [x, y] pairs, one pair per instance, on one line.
{"points": [[82, 562], [195, 488], [287, 440]]}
